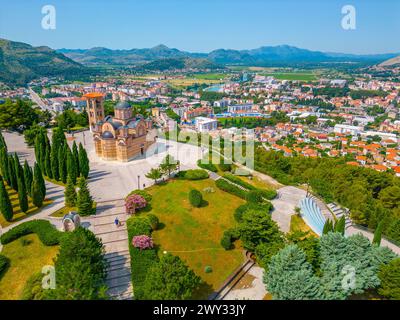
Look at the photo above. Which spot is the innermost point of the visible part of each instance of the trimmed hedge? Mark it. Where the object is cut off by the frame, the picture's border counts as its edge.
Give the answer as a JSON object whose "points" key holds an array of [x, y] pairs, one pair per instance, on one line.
{"points": [[239, 181], [4, 263], [225, 167], [195, 198], [141, 260], [268, 194], [230, 188], [195, 174], [207, 166], [47, 234], [153, 221]]}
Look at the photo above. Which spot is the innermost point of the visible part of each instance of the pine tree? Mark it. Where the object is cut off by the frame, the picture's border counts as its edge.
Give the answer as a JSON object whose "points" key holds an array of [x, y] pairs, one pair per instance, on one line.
{"points": [[83, 162], [70, 193], [378, 234], [71, 166], [84, 199], [22, 196], [62, 163], [28, 177], [75, 153], [5, 203]]}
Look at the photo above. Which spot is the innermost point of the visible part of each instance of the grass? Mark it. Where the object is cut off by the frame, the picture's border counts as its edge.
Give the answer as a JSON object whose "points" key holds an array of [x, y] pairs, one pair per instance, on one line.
{"points": [[25, 260], [210, 76], [194, 234], [184, 82], [297, 224], [18, 214]]}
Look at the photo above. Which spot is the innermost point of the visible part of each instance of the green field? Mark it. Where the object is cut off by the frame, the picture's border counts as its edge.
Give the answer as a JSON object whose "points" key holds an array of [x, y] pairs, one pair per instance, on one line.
{"points": [[210, 76], [28, 255], [294, 76], [194, 234]]}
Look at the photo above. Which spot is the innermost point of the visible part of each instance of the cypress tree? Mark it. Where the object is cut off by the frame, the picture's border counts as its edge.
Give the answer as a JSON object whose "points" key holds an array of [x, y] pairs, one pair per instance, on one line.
{"points": [[3, 143], [13, 176], [84, 201], [38, 177], [71, 166], [378, 234], [328, 227], [37, 195], [62, 163], [47, 163], [4, 162], [70, 193], [28, 177], [54, 163], [83, 162], [340, 225], [19, 172], [5, 203], [8, 170], [75, 153], [22, 196]]}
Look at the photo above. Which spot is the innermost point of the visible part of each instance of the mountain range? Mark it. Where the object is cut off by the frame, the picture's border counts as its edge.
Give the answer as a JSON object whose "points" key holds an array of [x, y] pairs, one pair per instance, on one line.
{"points": [[260, 56], [21, 62]]}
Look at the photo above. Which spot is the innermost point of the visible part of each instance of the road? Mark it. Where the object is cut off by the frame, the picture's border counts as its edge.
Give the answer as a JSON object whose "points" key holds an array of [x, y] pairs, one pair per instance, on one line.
{"points": [[35, 98]]}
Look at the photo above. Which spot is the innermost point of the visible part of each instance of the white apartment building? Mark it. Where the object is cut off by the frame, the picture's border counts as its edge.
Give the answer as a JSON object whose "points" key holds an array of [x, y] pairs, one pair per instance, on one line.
{"points": [[204, 124]]}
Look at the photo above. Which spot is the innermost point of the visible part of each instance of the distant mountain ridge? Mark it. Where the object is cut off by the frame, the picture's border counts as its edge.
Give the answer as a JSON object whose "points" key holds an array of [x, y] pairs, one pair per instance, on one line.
{"points": [[20, 63], [258, 56]]}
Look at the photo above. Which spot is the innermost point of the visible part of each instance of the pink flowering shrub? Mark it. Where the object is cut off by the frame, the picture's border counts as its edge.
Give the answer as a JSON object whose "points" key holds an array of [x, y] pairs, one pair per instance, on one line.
{"points": [[142, 242], [134, 202]]}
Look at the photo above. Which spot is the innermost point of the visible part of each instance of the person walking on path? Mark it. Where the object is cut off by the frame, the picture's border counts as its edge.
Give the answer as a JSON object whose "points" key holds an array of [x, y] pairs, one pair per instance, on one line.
{"points": [[117, 222]]}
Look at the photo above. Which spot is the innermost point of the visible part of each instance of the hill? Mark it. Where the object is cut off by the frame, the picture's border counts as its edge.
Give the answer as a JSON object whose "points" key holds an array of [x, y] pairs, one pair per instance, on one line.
{"points": [[21, 63], [391, 62], [179, 63]]}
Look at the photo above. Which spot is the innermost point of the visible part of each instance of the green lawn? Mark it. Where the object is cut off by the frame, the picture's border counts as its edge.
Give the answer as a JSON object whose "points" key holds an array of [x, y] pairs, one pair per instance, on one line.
{"points": [[194, 234], [25, 260], [210, 76], [18, 214], [64, 210], [297, 224]]}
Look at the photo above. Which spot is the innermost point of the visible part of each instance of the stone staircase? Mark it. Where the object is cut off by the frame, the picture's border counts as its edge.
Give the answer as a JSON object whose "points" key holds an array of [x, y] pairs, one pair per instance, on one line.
{"points": [[115, 241], [338, 211]]}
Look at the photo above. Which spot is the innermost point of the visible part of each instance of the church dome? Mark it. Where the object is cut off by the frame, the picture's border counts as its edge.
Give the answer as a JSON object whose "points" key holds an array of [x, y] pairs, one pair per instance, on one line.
{"points": [[122, 105], [107, 135]]}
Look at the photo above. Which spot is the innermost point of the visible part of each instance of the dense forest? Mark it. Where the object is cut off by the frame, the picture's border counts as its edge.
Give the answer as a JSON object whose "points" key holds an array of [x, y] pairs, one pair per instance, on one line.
{"points": [[371, 196]]}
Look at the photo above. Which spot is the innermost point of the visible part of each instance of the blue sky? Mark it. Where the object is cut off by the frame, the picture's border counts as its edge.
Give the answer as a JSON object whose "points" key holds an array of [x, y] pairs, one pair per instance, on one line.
{"points": [[205, 25]]}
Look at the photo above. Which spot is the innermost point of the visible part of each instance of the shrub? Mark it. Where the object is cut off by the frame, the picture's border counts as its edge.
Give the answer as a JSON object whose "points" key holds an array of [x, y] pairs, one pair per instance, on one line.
{"points": [[268, 194], [255, 196], [33, 289], [142, 242], [230, 188], [153, 221], [207, 166], [134, 203], [266, 206], [226, 241], [208, 269], [239, 181], [225, 167], [47, 234], [195, 198], [147, 196], [4, 263], [196, 174]]}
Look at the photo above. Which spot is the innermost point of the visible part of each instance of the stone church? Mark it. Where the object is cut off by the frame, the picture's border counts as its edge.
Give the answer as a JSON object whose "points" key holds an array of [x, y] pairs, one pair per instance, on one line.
{"points": [[119, 138]]}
